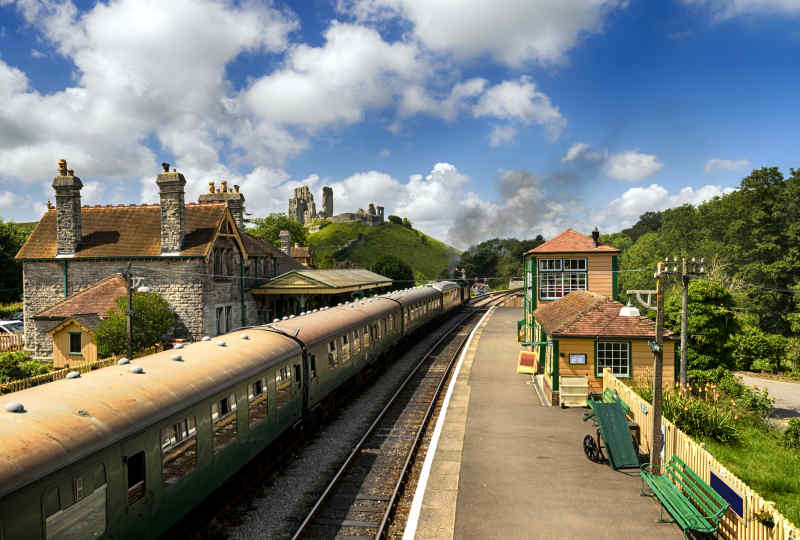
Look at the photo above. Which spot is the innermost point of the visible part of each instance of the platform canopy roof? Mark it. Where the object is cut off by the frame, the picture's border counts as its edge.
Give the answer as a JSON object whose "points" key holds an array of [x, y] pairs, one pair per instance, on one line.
{"points": [[323, 282]]}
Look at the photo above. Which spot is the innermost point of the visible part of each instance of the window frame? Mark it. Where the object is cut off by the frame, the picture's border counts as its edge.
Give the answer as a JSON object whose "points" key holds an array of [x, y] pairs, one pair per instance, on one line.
{"points": [[80, 342], [563, 277], [598, 372]]}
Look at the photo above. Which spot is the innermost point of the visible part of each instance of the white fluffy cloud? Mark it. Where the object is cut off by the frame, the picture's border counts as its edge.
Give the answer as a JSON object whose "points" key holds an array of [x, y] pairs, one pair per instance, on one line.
{"points": [[520, 101], [513, 33], [501, 134], [726, 164], [726, 9], [632, 165], [574, 151], [626, 208]]}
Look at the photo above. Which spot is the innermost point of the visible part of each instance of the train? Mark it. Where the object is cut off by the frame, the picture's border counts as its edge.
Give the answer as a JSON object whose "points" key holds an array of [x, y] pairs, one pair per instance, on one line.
{"points": [[127, 450]]}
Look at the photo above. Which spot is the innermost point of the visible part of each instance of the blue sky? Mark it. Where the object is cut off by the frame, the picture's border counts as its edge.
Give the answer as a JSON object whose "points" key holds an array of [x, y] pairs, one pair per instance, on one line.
{"points": [[489, 119]]}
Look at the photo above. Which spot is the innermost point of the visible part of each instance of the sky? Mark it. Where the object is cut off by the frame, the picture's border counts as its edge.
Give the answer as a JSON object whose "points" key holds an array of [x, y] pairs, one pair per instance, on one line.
{"points": [[473, 119]]}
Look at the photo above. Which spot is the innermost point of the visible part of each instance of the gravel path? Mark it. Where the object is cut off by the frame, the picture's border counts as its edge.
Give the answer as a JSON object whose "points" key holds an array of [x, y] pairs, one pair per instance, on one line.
{"points": [[786, 394], [292, 491]]}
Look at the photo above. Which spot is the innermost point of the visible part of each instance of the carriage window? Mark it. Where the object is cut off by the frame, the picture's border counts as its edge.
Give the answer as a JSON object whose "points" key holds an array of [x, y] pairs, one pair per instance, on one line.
{"points": [[85, 515], [345, 349], [312, 364], [258, 404], [332, 354], [178, 450], [366, 338], [298, 378], [283, 386], [223, 418], [136, 474]]}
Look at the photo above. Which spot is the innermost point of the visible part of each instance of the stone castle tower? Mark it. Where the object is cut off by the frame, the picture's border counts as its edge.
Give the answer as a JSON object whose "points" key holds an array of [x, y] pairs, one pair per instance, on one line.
{"points": [[327, 202], [303, 209], [301, 206]]}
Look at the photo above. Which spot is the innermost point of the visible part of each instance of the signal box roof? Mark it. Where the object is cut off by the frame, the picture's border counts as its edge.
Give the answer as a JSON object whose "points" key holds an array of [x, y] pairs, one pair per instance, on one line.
{"points": [[571, 241]]}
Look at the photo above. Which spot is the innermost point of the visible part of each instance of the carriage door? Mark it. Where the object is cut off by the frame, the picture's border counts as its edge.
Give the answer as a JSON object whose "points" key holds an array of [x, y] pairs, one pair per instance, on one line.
{"points": [[303, 380]]}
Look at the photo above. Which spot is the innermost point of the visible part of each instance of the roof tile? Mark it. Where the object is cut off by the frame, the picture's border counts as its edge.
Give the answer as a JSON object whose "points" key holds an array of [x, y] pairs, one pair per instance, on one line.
{"points": [[97, 299], [571, 241]]}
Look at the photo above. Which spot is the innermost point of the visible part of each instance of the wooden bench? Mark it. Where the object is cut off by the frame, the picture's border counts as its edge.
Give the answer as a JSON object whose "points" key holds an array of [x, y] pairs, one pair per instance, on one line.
{"points": [[610, 396], [688, 499]]}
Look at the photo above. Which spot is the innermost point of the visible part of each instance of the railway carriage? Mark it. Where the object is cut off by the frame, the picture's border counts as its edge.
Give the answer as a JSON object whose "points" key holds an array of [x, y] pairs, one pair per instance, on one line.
{"points": [[125, 451]]}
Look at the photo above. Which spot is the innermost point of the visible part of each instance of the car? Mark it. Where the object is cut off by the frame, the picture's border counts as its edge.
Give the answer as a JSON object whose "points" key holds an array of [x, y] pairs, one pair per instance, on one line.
{"points": [[11, 327]]}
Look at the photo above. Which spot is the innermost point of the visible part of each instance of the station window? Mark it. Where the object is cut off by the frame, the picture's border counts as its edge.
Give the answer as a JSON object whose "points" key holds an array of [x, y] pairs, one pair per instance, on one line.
{"points": [[283, 386], [223, 420], [178, 450], [258, 404], [136, 477], [615, 355], [74, 343]]}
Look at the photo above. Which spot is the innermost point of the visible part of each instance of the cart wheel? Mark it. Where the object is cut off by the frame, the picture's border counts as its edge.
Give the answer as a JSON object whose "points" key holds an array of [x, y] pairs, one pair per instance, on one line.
{"points": [[590, 448]]}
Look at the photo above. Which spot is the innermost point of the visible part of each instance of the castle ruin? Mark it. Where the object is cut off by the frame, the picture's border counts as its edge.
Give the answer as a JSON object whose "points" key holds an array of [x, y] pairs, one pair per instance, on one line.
{"points": [[303, 209]]}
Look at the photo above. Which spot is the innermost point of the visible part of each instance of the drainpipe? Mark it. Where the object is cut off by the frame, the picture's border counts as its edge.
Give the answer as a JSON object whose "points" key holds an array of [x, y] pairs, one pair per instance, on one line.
{"points": [[66, 275], [241, 268]]}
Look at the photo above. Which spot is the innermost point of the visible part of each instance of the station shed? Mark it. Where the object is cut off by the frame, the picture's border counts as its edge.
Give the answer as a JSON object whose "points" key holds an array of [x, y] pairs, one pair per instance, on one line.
{"points": [[305, 289], [585, 332]]}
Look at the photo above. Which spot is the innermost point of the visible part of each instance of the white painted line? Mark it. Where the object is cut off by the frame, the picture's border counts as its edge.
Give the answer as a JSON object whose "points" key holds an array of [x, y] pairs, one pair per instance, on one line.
{"points": [[416, 505]]}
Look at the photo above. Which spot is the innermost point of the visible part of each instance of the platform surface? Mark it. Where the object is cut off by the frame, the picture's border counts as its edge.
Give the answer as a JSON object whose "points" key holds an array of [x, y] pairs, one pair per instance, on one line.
{"points": [[508, 467]]}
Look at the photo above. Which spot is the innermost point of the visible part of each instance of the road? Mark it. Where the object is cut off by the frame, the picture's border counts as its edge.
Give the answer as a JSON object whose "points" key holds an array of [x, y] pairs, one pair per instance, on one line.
{"points": [[786, 394]]}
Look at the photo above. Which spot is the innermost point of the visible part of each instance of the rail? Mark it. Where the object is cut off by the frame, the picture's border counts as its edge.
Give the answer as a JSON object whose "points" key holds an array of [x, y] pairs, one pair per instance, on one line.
{"points": [[368, 452]]}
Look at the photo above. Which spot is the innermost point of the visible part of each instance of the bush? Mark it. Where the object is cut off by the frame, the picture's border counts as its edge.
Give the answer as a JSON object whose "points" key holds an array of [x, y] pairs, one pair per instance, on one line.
{"points": [[752, 400], [755, 350], [406, 223], [10, 311], [701, 418], [152, 320], [18, 365], [791, 437], [397, 220]]}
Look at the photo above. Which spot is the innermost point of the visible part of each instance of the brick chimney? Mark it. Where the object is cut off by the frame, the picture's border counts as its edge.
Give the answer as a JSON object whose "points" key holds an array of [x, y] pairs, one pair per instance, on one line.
{"points": [[234, 199], [286, 241], [173, 210], [68, 210]]}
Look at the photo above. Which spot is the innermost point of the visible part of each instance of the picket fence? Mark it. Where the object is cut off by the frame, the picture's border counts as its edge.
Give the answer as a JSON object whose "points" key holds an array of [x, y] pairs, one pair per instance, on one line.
{"points": [[10, 342], [702, 462]]}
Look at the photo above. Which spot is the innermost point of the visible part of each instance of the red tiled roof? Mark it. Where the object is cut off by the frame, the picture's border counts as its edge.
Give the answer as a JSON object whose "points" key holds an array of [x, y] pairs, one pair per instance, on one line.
{"points": [[587, 314], [126, 231], [571, 241], [98, 299]]}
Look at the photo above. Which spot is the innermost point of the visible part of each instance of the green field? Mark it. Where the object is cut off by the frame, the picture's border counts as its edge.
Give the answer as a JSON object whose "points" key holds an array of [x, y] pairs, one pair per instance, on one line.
{"points": [[427, 256]]}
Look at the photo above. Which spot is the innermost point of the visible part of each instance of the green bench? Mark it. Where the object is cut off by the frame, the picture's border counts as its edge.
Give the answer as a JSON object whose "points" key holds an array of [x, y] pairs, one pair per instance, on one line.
{"points": [[611, 396], [688, 499]]}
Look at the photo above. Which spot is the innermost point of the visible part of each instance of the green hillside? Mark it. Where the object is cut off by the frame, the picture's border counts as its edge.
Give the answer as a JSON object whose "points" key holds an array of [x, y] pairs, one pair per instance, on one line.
{"points": [[427, 256]]}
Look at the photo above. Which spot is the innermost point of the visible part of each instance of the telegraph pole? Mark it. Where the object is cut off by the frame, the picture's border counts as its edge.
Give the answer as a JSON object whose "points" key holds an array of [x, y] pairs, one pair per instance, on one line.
{"points": [[129, 313], [658, 364], [685, 278]]}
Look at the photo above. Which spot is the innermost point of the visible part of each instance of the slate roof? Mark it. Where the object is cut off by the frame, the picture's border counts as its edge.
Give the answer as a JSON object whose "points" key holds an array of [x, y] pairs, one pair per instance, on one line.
{"points": [[126, 231], [571, 241], [588, 314], [97, 299]]}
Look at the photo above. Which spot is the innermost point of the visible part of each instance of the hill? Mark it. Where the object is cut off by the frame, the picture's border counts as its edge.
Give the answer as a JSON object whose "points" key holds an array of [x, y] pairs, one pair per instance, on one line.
{"points": [[364, 245]]}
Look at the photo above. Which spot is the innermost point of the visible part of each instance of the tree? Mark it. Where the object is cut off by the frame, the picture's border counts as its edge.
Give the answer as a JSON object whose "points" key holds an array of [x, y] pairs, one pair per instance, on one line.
{"points": [[406, 223], [754, 349], [397, 220], [153, 319], [396, 268], [648, 222], [619, 240], [12, 236], [711, 323], [269, 229], [639, 261]]}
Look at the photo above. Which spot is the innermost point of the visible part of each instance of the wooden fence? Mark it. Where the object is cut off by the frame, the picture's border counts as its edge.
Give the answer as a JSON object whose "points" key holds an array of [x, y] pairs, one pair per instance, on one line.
{"points": [[703, 463], [10, 342], [58, 374]]}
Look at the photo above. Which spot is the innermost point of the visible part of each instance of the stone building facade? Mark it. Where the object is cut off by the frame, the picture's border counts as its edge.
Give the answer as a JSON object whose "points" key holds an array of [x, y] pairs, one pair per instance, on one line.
{"points": [[196, 255]]}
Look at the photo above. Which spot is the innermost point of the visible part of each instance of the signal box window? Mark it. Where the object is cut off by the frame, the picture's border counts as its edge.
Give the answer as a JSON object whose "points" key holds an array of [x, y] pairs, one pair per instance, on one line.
{"points": [[258, 404], [136, 474], [178, 450], [223, 419]]}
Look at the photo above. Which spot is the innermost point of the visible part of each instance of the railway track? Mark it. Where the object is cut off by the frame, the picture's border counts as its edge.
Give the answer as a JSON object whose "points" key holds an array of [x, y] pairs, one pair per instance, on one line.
{"points": [[360, 499]]}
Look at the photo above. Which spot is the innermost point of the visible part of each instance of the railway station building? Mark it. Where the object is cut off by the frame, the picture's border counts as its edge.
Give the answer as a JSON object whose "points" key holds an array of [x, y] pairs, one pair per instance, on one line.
{"points": [[197, 255]]}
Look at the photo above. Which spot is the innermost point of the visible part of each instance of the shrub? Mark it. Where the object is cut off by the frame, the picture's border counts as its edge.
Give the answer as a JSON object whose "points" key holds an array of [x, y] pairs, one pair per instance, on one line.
{"points": [[791, 437], [10, 311], [397, 220], [18, 365], [754, 349], [152, 320]]}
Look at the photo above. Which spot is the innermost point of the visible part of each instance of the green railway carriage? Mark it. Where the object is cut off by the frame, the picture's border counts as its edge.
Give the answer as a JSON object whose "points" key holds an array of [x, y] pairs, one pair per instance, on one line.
{"points": [[125, 451]]}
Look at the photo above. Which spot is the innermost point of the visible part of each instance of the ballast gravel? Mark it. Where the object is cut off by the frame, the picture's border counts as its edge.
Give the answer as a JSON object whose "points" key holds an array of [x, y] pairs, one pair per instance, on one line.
{"points": [[291, 492]]}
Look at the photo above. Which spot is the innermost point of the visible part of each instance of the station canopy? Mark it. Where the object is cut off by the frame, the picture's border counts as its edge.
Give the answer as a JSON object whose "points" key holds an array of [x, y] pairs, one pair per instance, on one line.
{"points": [[312, 282]]}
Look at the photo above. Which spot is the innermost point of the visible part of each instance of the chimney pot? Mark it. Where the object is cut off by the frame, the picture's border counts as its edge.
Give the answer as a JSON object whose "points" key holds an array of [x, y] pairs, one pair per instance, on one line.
{"points": [[211, 187], [596, 236], [62, 167], [235, 188], [224, 186], [165, 166]]}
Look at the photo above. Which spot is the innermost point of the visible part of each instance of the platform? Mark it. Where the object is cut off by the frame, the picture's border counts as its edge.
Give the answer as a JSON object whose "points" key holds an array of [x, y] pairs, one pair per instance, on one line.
{"points": [[508, 467]]}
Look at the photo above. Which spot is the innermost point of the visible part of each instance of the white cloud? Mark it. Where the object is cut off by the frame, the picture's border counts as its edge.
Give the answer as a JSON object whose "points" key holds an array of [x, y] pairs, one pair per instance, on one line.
{"points": [[513, 33], [632, 165], [417, 99], [501, 134], [726, 164], [353, 71], [727, 9], [574, 151], [626, 209], [520, 101], [36, 53]]}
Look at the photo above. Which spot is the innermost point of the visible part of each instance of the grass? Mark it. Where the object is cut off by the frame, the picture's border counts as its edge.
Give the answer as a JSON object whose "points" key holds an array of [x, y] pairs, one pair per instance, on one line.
{"points": [[427, 256], [762, 462]]}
